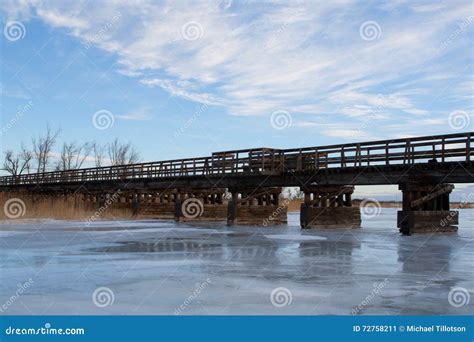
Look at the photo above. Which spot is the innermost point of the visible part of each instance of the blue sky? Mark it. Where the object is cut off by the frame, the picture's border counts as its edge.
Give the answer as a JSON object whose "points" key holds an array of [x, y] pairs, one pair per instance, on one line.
{"points": [[183, 79]]}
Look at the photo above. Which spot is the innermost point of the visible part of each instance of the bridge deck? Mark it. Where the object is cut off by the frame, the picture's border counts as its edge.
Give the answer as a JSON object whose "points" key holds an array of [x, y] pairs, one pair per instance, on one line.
{"points": [[442, 158]]}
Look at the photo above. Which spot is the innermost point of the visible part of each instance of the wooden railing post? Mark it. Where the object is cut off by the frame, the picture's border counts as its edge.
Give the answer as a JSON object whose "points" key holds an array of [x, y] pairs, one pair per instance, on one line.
{"points": [[443, 147], [249, 156], [316, 158], [468, 147], [358, 157], [299, 161], [343, 157], [406, 158]]}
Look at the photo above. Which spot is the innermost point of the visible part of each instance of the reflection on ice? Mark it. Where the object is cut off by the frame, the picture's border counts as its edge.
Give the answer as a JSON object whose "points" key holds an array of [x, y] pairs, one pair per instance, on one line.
{"points": [[295, 237]]}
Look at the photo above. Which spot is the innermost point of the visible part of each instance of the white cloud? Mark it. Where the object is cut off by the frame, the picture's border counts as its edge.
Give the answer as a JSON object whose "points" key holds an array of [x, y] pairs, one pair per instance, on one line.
{"points": [[176, 90], [140, 114], [345, 133], [254, 58], [58, 19], [305, 124]]}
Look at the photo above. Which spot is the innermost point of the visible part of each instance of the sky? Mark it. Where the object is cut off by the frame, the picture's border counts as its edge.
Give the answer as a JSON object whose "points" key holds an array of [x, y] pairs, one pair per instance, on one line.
{"points": [[187, 78]]}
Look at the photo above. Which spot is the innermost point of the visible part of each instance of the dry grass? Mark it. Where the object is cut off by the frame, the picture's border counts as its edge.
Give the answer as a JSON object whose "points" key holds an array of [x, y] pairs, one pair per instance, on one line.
{"points": [[294, 205], [25, 206]]}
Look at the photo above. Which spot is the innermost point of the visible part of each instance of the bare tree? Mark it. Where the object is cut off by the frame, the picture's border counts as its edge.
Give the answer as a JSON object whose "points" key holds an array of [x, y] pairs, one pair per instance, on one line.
{"points": [[16, 164], [292, 193], [122, 153], [73, 156], [98, 152], [299, 194], [42, 148]]}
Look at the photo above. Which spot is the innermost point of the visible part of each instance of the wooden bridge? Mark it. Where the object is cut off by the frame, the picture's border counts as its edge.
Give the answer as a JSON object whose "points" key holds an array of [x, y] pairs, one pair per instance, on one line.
{"points": [[423, 167]]}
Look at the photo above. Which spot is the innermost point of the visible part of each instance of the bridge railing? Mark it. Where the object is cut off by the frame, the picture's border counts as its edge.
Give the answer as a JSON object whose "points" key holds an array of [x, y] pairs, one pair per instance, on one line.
{"points": [[267, 161], [454, 147]]}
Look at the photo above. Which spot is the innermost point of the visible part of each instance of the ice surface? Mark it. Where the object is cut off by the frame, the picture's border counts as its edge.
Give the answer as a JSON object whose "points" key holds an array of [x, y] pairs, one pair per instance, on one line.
{"points": [[295, 237], [163, 267]]}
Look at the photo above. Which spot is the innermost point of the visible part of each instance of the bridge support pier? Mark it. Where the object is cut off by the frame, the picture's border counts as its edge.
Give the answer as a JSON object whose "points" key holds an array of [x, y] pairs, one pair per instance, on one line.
{"points": [[259, 206], [200, 204], [329, 207], [159, 204], [426, 209]]}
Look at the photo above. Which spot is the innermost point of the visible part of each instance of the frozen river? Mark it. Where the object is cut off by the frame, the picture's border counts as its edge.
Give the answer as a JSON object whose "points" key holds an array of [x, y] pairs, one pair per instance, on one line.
{"points": [[160, 267]]}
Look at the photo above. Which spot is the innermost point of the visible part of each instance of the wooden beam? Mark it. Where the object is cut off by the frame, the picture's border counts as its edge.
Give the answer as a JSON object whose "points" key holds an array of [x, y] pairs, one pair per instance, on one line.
{"points": [[443, 190]]}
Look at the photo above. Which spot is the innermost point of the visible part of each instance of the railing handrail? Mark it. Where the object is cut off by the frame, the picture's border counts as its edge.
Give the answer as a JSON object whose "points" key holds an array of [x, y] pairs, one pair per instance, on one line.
{"points": [[388, 141], [261, 158]]}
